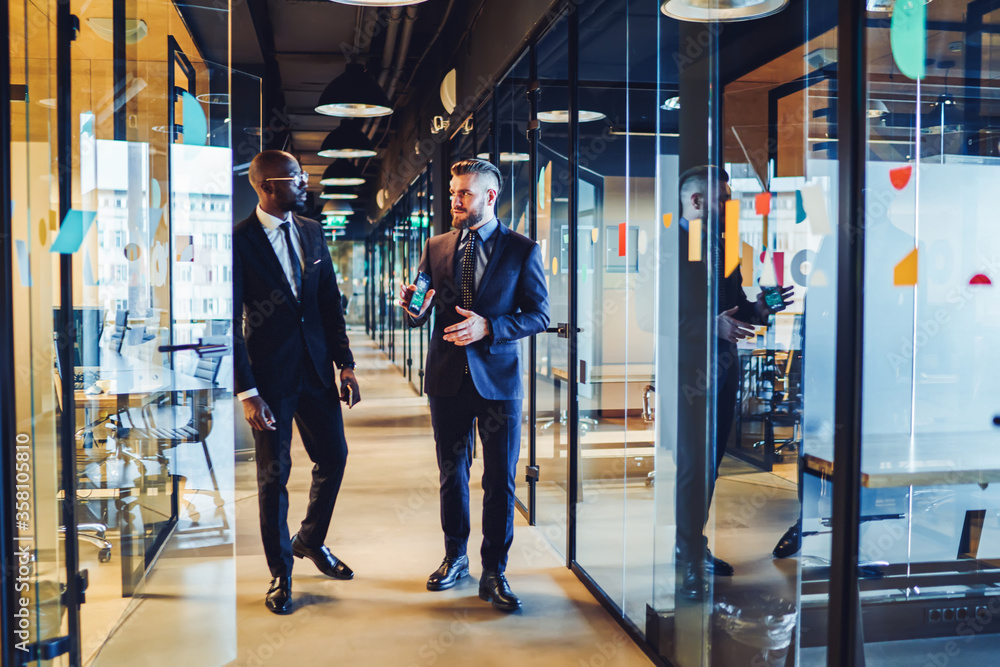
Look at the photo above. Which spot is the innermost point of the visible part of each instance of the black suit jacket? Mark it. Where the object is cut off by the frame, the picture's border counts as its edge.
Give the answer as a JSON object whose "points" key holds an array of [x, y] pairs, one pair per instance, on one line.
{"points": [[512, 295], [276, 338]]}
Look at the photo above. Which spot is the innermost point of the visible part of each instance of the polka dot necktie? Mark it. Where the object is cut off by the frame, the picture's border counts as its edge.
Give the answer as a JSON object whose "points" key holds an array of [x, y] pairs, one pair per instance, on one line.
{"points": [[469, 270]]}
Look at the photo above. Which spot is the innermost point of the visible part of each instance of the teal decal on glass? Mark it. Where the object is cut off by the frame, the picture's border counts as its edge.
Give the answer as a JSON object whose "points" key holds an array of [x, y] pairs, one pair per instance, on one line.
{"points": [[195, 124], [800, 209], [74, 227], [908, 35]]}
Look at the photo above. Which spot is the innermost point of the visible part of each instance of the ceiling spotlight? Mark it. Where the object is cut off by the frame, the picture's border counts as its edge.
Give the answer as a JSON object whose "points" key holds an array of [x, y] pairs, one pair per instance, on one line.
{"points": [[354, 94], [347, 141], [341, 172], [705, 11], [671, 104], [135, 29], [562, 116]]}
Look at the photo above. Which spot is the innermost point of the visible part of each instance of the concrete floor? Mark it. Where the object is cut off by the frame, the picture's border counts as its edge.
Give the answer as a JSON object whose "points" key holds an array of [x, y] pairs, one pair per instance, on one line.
{"points": [[386, 528]]}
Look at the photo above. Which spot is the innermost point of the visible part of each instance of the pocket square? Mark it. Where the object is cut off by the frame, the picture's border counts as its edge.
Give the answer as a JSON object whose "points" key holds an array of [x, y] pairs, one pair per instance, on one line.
{"points": [[318, 261]]}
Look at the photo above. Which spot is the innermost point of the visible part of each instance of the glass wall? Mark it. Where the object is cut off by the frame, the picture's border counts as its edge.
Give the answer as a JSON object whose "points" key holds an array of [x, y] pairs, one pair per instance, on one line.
{"points": [[702, 463], [394, 255], [121, 178]]}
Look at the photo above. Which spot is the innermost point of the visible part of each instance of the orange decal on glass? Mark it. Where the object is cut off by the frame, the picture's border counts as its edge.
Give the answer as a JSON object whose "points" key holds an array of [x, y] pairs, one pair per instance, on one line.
{"points": [[905, 272], [732, 247], [746, 265], [694, 240], [668, 219], [900, 176], [762, 203], [622, 239]]}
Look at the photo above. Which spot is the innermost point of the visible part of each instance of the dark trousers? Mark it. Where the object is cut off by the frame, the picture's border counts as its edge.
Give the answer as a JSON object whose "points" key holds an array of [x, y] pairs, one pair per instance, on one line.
{"points": [[698, 469], [499, 424], [316, 411]]}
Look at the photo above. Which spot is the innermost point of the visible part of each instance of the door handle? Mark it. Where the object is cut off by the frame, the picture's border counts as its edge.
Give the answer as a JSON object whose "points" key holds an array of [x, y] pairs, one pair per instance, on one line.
{"points": [[647, 410], [561, 330], [200, 348]]}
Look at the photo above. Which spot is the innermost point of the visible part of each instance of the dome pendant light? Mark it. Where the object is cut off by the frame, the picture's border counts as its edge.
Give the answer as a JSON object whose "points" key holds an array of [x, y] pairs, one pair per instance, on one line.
{"points": [[341, 172], [705, 11], [379, 3], [354, 94], [330, 192], [347, 141]]}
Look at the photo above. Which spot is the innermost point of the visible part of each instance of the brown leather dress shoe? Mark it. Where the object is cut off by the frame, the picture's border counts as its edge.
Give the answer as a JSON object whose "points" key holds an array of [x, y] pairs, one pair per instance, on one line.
{"points": [[279, 596], [327, 563]]}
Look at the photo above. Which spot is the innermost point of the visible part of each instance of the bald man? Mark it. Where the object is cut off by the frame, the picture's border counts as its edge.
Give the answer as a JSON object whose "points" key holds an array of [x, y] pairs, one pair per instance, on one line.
{"points": [[289, 334]]}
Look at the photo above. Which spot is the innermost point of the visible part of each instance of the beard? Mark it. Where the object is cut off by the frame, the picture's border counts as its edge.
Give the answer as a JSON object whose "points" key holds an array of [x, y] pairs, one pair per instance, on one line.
{"points": [[472, 218]]}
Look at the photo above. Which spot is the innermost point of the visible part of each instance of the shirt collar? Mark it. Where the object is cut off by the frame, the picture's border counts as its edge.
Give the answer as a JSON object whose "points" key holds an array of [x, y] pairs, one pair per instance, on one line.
{"points": [[485, 232], [269, 221]]}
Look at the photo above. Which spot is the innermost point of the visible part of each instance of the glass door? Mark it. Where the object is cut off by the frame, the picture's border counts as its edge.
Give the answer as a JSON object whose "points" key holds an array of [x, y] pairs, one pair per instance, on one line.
{"points": [[552, 373]]}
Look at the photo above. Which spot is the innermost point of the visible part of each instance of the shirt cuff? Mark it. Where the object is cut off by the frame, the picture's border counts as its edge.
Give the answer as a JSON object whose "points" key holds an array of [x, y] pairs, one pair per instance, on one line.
{"points": [[249, 393]]}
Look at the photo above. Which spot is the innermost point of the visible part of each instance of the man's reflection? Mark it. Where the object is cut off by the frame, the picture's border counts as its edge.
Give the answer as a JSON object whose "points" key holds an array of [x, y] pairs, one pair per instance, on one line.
{"points": [[704, 192]]}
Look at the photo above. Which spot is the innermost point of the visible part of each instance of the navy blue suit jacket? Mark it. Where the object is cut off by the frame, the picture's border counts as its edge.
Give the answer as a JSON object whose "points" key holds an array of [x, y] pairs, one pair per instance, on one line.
{"points": [[276, 338], [512, 295]]}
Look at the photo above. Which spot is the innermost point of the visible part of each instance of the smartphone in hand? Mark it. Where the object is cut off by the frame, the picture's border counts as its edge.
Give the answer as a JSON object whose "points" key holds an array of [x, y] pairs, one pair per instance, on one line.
{"points": [[417, 300], [773, 298], [348, 396]]}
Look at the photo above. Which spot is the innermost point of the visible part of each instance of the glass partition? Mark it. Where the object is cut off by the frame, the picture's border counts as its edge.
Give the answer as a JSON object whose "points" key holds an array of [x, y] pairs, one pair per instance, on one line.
{"points": [[122, 173]]}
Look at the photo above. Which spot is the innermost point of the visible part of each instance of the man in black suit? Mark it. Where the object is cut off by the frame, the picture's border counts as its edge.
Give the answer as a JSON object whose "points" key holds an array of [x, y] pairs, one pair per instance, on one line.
{"points": [[491, 292], [704, 192], [289, 333]]}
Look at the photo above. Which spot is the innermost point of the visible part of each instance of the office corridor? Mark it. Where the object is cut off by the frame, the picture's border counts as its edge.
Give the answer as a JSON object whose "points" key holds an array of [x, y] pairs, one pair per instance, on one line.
{"points": [[386, 528]]}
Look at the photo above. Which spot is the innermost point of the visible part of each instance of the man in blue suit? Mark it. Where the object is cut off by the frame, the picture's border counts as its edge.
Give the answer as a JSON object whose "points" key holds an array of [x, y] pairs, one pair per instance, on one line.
{"points": [[491, 292]]}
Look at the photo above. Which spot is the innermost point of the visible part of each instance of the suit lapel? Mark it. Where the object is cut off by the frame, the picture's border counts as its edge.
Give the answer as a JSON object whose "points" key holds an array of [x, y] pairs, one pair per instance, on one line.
{"points": [[258, 239], [450, 247], [503, 234]]}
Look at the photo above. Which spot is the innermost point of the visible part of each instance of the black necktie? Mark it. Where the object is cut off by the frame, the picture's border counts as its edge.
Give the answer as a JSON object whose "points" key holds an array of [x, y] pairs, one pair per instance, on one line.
{"points": [[286, 227], [469, 270]]}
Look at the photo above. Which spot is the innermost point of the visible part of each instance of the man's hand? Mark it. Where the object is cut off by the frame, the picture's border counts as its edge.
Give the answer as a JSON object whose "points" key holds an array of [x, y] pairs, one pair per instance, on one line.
{"points": [[258, 414], [472, 328], [763, 310], [406, 293], [347, 379], [731, 329]]}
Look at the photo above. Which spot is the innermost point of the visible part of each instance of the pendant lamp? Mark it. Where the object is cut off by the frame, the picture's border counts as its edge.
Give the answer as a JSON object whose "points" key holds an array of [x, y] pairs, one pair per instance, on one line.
{"points": [[347, 141], [553, 105], [330, 192], [341, 172], [379, 3], [706, 11], [514, 146], [354, 94]]}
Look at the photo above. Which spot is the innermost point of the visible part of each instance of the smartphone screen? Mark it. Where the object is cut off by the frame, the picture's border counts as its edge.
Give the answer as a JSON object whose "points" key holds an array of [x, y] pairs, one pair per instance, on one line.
{"points": [[772, 297], [417, 300]]}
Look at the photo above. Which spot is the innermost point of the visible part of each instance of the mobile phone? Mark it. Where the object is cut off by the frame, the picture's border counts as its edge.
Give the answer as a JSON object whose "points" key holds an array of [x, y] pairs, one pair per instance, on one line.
{"points": [[349, 397], [773, 297], [417, 300]]}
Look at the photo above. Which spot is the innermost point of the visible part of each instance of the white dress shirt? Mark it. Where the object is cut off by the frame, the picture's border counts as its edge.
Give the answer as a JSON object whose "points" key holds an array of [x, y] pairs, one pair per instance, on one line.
{"points": [[272, 229]]}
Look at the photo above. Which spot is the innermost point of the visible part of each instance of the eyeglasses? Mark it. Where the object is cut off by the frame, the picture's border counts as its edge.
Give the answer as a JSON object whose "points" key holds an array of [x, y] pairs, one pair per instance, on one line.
{"points": [[302, 177]]}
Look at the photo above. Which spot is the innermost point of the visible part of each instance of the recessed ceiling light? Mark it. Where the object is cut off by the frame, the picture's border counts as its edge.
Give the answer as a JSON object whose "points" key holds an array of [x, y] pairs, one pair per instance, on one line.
{"points": [[705, 11]]}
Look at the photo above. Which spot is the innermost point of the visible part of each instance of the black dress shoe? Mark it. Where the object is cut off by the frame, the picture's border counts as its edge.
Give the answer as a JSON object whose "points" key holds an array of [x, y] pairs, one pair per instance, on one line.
{"points": [[790, 542], [717, 566], [691, 581], [279, 596], [327, 563], [493, 588], [446, 576]]}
